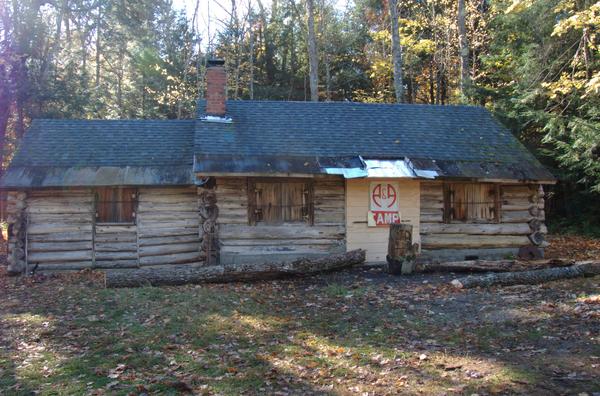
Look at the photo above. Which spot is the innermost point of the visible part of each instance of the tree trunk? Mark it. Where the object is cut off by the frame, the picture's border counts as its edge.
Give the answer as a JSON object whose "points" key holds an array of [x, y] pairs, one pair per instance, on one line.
{"points": [[313, 57], [463, 47], [491, 265], [182, 274], [396, 52], [98, 45], [251, 88], [581, 269]]}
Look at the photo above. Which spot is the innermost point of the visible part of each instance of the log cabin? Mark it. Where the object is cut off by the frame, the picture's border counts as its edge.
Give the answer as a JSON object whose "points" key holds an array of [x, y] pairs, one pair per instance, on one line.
{"points": [[270, 181]]}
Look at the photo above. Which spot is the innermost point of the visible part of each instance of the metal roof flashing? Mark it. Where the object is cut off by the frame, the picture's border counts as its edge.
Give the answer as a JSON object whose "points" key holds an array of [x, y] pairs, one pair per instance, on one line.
{"points": [[217, 119]]}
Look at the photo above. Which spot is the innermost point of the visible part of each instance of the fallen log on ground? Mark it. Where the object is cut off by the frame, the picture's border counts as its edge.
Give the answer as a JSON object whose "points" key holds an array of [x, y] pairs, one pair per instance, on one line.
{"points": [[579, 269], [184, 274], [491, 265]]}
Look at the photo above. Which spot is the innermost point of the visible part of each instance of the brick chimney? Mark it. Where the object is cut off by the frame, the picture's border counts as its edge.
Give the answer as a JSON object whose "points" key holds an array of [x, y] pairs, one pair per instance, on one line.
{"points": [[216, 88]]}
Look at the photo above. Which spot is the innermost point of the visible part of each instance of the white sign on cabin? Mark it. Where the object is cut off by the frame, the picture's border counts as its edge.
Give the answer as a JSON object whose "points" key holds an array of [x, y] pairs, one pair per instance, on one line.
{"points": [[383, 204]]}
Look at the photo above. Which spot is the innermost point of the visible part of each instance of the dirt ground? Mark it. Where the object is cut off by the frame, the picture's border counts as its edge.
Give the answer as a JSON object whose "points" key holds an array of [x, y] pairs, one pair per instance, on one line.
{"points": [[360, 331]]}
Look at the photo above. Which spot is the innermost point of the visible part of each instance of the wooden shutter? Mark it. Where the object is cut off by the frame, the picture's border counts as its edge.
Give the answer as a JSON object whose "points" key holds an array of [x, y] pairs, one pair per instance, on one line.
{"points": [[277, 201], [116, 205], [473, 202]]}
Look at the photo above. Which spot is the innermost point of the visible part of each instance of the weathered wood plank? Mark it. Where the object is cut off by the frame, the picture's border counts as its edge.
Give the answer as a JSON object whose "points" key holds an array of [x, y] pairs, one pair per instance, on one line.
{"points": [[115, 229], [169, 240], [111, 246], [476, 229], [61, 237], [152, 231], [45, 228], [300, 231], [160, 250], [176, 258], [107, 264], [59, 257], [34, 246], [460, 241]]}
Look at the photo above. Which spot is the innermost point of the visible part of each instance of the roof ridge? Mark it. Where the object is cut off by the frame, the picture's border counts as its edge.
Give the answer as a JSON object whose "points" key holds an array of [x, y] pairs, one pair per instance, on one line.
{"points": [[339, 102]]}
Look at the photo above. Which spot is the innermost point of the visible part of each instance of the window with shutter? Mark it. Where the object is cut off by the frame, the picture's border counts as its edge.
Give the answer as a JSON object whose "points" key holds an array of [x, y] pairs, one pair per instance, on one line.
{"points": [[471, 202], [116, 205], [275, 201]]}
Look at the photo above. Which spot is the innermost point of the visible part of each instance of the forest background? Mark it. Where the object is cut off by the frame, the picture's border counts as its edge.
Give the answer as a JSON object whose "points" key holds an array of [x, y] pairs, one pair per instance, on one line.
{"points": [[534, 63]]}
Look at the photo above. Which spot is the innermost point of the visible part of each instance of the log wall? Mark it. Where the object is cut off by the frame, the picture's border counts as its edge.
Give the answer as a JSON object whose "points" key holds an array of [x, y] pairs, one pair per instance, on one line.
{"points": [[168, 226], [60, 229], [521, 224], [241, 242]]}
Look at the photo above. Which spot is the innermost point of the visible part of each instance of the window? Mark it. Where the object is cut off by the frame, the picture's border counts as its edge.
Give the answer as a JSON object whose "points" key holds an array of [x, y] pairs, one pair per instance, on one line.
{"points": [[471, 202], [280, 201], [116, 205]]}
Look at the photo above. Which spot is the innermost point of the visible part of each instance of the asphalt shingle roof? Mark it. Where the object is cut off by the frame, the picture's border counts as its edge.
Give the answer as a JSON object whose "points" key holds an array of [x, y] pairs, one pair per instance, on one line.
{"points": [[441, 133], [276, 136], [71, 143]]}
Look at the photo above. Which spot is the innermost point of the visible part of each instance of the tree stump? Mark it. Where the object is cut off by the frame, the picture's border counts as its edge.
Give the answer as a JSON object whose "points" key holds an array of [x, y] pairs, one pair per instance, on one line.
{"points": [[402, 253]]}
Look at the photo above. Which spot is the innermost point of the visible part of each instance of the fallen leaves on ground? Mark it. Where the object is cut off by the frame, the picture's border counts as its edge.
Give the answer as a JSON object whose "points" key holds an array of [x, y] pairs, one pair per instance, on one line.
{"points": [[360, 331]]}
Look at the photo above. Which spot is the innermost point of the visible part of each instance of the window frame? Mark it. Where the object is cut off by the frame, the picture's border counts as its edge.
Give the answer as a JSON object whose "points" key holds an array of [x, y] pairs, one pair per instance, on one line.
{"points": [[447, 215], [252, 204], [134, 206]]}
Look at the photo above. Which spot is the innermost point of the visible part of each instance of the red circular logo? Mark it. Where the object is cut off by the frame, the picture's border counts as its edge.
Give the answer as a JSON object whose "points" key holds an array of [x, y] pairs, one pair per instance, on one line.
{"points": [[384, 195]]}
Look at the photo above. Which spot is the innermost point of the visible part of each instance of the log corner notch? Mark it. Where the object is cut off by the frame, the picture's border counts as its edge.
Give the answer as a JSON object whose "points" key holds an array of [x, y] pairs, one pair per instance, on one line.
{"points": [[185, 274], [17, 232], [209, 212], [536, 210]]}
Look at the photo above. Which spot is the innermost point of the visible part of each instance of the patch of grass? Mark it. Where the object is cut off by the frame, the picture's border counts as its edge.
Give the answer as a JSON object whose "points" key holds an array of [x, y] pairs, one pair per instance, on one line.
{"points": [[297, 336]]}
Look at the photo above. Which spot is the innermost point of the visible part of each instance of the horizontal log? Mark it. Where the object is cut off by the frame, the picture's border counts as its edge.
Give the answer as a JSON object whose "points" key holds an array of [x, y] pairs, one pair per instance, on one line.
{"points": [[161, 250], [59, 257], [34, 246], [168, 223], [144, 207], [167, 190], [151, 231], [431, 218], [115, 246], [115, 229], [166, 216], [169, 240], [71, 266], [521, 216], [58, 228], [170, 199], [580, 269], [121, 255], [177, 275], [277, 242], [441, 241], [60, 209], [490, 265], [454, 254], [280, 250], [115, 238], [71, 218], [61, 237], [288, 231], [177, 258], [101, 264], [476, 229]]}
